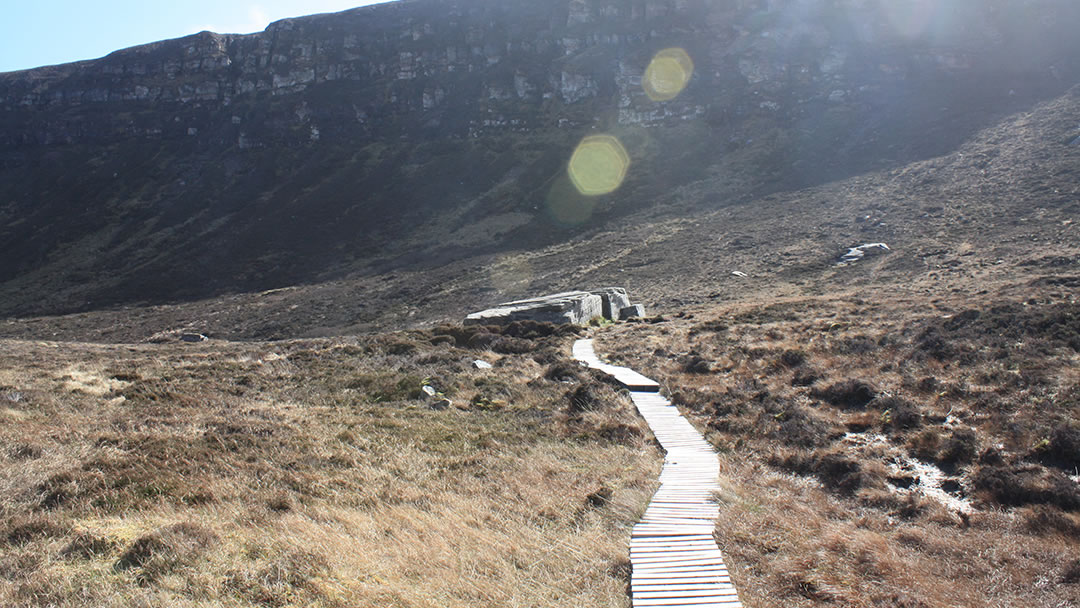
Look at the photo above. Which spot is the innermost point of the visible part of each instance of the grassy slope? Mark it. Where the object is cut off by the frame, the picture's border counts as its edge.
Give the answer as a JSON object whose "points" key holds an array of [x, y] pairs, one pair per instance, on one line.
{"points": [[313, 473]]}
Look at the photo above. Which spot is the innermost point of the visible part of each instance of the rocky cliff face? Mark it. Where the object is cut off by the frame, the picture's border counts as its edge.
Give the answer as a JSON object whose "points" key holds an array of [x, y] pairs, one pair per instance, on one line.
{"points": [[467, 67], [233, 162]]}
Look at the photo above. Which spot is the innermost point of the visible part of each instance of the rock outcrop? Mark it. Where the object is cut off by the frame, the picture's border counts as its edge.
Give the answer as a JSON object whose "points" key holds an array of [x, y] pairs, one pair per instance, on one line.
{"points": [[576, 307], [482, 66]]}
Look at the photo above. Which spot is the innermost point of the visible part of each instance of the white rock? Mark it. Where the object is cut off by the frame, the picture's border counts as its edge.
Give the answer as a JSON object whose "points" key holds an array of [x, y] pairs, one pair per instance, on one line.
{"points": [[855, 254]]}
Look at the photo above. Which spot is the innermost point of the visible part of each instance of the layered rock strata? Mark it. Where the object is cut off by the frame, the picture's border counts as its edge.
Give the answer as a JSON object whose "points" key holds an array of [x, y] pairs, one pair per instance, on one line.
{"points": [[576, 307]]}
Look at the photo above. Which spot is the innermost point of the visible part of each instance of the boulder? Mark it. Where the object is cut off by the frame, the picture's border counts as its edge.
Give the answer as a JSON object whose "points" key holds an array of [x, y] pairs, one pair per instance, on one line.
{"points": [[855, 254], [576, 307], [613, 300]]}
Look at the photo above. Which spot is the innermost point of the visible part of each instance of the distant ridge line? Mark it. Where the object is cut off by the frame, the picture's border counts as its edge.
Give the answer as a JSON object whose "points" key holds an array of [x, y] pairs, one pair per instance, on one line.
{"points": [[675, 561]]}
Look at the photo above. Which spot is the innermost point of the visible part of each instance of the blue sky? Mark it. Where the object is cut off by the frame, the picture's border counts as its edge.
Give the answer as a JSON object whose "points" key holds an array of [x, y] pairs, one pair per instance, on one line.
{"points": [[45, 32]]}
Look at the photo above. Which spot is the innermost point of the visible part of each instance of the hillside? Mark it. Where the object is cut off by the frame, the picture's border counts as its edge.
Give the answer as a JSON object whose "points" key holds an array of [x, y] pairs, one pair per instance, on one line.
{"points": [[996, 213], [412, 135]]}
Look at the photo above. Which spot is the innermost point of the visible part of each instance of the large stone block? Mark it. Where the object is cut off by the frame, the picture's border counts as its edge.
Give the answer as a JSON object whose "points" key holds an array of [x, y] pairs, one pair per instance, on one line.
{"points": [[613, 300], [576, 307], [629, 312]]}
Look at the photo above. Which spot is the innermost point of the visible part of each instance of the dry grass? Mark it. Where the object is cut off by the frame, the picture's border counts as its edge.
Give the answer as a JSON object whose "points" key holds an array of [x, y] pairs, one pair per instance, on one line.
{"points": [[881, 451], [314, 473]]}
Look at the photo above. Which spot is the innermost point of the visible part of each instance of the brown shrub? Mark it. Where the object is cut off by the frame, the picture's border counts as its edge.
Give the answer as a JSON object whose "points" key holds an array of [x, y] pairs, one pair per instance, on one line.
{"points": [[25, 451], [960, 448], [281, 583], [512, 346], [1070, 574], [564, 371], [166, 549], [837, 471], [849, 394], [799, 426], [925, 445], [1064, 447], [1046, 519], [86, 546], [482, 340], [899, 414], [23, 529], [1027, 485], [805, 377], [586, 397], [533, 330], [695, 364], [793, 358]]}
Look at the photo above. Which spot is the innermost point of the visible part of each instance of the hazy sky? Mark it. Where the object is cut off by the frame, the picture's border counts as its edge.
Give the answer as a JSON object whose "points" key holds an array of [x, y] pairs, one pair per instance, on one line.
{"points": [[44, 32]]}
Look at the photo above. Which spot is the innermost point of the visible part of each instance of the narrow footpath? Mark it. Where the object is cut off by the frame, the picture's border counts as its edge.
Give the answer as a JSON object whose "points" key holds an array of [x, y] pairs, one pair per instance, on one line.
{"points": [[675, 560]]}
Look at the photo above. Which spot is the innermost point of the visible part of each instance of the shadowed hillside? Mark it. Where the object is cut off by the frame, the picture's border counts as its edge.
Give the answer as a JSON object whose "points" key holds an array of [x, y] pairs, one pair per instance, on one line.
{"points": [[410, 135]]}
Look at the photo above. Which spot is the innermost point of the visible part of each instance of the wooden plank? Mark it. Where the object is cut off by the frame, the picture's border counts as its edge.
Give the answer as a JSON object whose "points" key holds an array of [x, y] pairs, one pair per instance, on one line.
{"points": [[697, 569], [679, 564], [676, 586], [726, 601], [711, 556], [693, 553], [654, 578], [715, 592], [679, 538], [643, 546]]}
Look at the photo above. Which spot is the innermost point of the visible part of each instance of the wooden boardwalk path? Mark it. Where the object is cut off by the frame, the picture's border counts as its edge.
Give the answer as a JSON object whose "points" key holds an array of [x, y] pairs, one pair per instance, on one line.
{"points": [[675, 560]]}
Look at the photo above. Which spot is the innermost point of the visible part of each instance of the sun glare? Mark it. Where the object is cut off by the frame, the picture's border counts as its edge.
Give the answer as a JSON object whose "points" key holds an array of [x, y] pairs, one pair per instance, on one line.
{"points": [[668, 74], [599, 165], [512, 275]]}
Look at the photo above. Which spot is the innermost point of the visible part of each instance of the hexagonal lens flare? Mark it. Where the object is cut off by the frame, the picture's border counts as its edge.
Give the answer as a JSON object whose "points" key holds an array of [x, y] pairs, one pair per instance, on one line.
{"points": [[599, 165], [668, 74]]}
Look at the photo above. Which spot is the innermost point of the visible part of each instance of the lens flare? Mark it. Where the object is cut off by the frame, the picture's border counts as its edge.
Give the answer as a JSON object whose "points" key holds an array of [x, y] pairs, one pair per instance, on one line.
{"points": [[668, 74], [566, 205], [599, 165], [512, 276]]}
